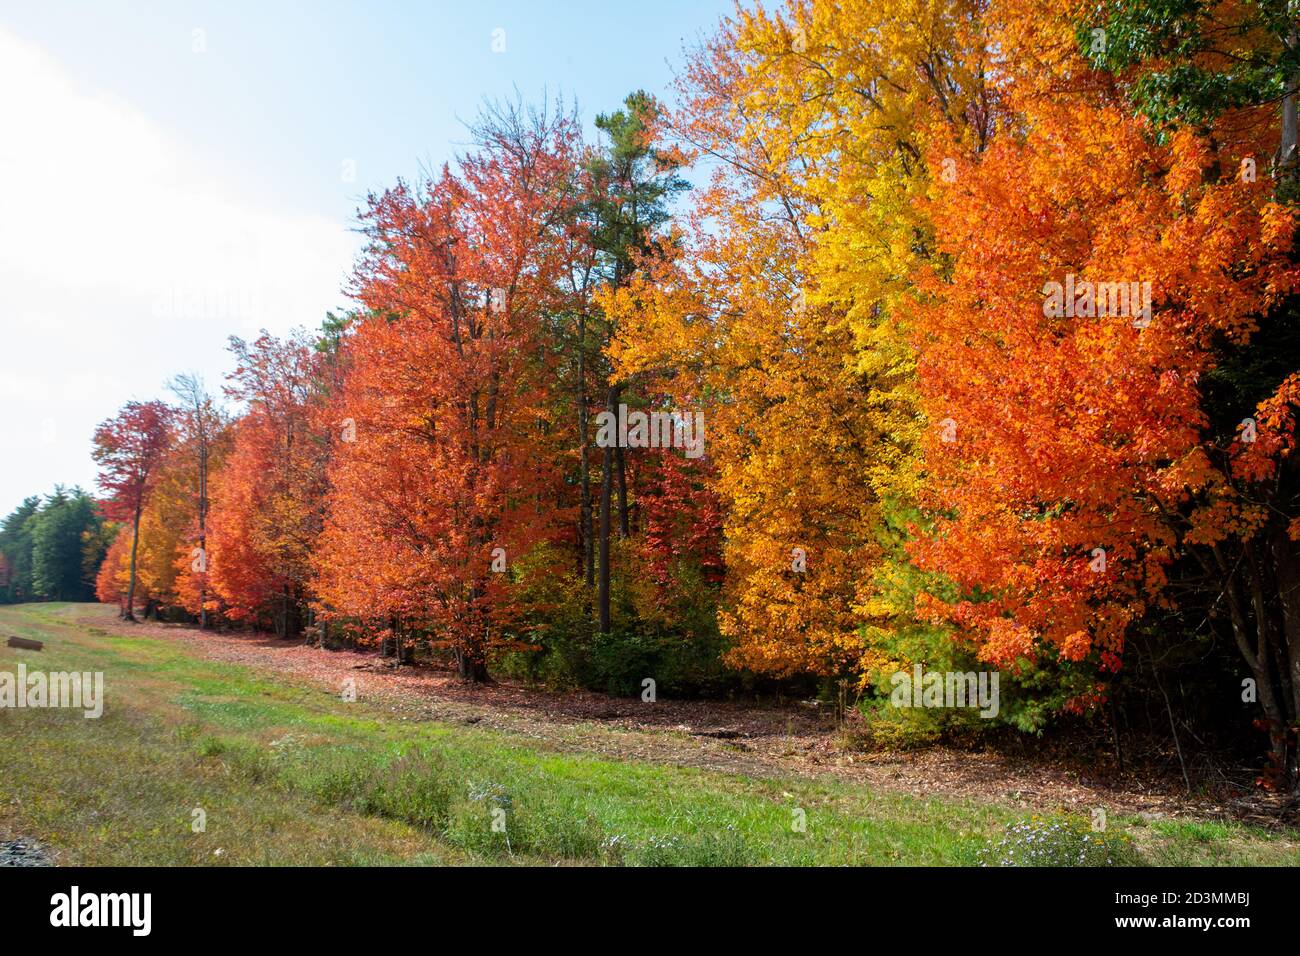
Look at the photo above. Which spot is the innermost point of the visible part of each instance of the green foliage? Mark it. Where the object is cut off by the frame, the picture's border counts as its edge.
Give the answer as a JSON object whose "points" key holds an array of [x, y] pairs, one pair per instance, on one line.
{"points": [[1028, 699], [1169, 40], [667, 634], [52, 549], [16, 548], [61, 530], [635, 183]]}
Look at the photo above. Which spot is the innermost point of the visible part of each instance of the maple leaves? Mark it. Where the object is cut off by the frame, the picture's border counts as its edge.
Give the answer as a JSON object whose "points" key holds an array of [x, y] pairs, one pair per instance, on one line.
{"points": [[784, 303], [1085, 464], [269, 498], [894, 211], [451, 469]]}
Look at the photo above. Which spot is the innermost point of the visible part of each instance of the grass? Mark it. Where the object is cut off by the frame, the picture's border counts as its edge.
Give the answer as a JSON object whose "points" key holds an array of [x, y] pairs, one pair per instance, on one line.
{"points": [[286, 774]]}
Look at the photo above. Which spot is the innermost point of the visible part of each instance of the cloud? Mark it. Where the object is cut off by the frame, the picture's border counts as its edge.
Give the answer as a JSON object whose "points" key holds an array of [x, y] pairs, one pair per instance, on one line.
{"points": [[125, 258]]}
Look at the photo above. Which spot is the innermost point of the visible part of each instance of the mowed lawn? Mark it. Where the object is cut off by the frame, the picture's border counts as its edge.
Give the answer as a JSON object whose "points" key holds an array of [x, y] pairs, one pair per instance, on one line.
{"points": [[282, 773]]}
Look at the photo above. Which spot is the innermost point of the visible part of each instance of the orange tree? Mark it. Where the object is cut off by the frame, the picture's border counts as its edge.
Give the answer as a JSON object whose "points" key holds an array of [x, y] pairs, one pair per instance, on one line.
{"points": [[449, 469], [1094, 271], [269, 496]]}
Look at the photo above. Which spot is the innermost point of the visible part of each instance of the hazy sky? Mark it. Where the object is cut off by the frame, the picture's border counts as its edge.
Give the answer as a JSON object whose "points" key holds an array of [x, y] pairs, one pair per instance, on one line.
{"points": [[175, 173]]}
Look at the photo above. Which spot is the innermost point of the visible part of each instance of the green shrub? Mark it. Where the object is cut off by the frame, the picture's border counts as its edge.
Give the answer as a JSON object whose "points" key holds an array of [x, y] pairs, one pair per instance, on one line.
{"points": [[411, 788], [669, 633], [246, 759], [335, 776]]}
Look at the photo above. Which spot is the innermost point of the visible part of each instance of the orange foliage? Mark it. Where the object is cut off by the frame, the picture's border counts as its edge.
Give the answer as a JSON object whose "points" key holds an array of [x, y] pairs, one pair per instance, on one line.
{"points": [[448, 471], [1075, 460]]}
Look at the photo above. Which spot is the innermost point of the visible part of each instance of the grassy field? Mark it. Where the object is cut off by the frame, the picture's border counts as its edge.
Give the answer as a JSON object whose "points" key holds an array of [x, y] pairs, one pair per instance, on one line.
{"points": [[287, 774]]}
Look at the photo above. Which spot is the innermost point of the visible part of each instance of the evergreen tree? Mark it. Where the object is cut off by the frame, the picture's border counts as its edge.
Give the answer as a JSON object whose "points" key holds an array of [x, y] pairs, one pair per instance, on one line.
{"points": [[58, 536], [16, 546]]}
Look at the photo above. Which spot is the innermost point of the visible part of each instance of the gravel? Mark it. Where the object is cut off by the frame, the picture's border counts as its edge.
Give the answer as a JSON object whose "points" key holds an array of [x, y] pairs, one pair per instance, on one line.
{"points": [[22, 853]]}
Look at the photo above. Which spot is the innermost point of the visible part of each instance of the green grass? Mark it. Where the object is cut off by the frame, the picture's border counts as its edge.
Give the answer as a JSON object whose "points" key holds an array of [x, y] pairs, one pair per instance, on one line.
{"points": [[289, 774]]}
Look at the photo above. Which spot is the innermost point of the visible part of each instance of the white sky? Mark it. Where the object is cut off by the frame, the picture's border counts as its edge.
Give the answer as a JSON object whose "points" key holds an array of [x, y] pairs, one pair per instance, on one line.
{"points": [[124, 259]]}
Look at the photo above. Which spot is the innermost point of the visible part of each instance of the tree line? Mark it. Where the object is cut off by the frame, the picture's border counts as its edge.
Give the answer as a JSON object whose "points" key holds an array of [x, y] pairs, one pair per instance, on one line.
{"points": [[914, 449], [51, 548]]}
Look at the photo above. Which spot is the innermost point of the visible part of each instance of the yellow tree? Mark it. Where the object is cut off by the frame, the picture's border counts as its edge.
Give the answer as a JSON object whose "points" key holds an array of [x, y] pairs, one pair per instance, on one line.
{"points": [[780, 313]]}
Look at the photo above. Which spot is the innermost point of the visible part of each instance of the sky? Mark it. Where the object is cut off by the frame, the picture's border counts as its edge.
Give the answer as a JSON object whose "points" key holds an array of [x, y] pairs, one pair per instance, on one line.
{"points": [[172, 174]]}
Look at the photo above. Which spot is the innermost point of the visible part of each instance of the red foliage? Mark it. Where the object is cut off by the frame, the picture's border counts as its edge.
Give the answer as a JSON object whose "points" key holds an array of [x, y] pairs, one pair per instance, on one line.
{"points": [[129, 450]]}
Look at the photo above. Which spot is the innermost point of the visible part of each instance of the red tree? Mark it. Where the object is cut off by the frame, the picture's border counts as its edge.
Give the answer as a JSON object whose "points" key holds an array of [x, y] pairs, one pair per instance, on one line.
{"points": [[269, 496], [129, 449], [448, 472]]}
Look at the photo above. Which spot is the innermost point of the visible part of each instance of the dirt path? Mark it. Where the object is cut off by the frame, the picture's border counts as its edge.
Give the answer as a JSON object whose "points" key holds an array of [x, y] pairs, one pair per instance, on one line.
{"points": [[731, 737]]}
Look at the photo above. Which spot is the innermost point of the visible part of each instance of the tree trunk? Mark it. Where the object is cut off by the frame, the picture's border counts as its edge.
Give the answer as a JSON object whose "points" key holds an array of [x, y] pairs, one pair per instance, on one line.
{"points": [[587, 531], [471, 670], [624, 528], [288, 614], [1257, 640], [1286, 163], [1287, 564], [584, 440], [470, 665], [135, 544], [606, 492]]}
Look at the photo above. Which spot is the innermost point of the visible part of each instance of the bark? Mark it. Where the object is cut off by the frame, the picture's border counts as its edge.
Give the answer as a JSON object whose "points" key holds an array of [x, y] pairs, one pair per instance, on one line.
{"points": [[288, 624], [469, 669], [624, 528], [1286, 163], [1287, 564], [1288, 586], [135, 544], [585, 531], [1261, 646], [470, 663], [606, 492]]}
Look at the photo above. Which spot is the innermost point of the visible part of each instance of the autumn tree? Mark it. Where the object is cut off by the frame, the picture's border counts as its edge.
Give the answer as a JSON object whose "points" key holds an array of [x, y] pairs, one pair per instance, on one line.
{"points": [[129, 449], [1068, 340], [445, 470], [782, 312], [628, 184], [203, 427], [269, 498], [1193, 62], [114, 574]]}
